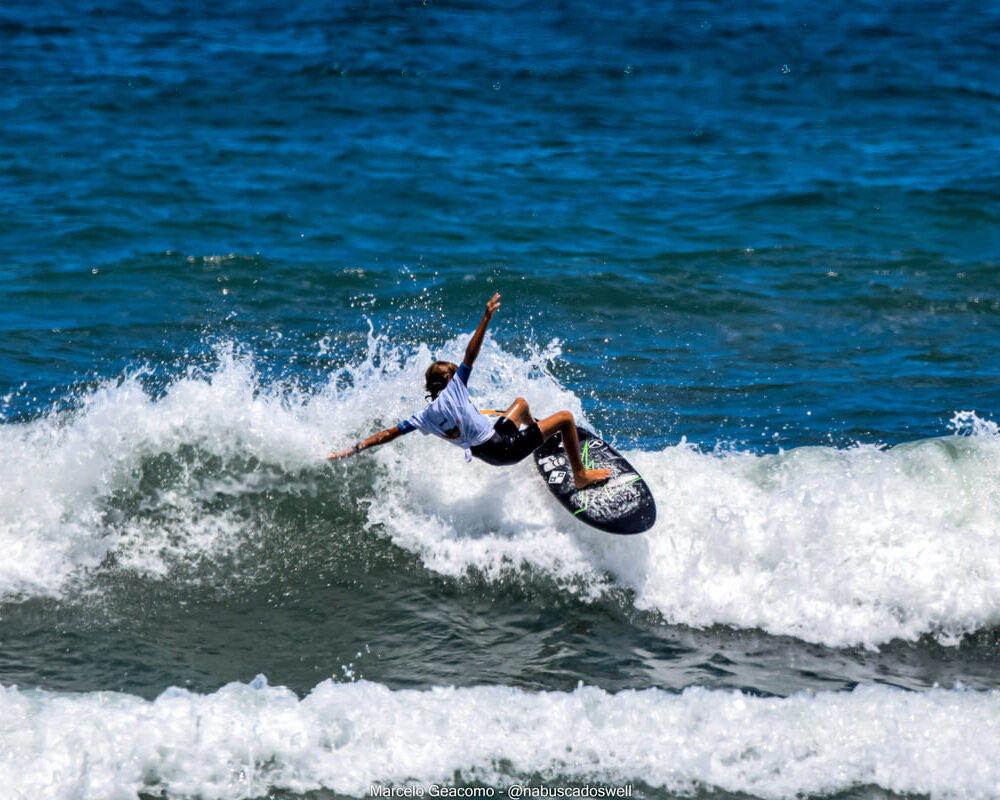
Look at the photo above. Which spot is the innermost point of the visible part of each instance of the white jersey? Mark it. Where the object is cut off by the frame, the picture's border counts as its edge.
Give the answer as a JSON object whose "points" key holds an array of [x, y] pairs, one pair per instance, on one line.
{"points": [[452, 416]]}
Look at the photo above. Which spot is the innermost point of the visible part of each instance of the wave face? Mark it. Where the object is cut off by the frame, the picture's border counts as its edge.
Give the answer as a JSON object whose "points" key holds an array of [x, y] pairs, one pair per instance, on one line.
{"points": [[837, 546], [246, 740]]}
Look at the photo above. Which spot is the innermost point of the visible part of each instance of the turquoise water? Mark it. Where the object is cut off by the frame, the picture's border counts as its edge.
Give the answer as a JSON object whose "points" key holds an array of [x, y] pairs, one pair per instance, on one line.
{"points": [[753, 247]]}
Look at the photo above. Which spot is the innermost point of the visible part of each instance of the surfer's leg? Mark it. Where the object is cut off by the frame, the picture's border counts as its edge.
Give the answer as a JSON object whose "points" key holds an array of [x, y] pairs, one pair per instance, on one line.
{"points": [[563, 422], [519, 413]]}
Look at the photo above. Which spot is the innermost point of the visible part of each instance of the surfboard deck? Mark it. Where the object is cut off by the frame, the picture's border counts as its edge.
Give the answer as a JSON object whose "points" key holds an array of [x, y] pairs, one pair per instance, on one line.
{"points": [[623, 504]]}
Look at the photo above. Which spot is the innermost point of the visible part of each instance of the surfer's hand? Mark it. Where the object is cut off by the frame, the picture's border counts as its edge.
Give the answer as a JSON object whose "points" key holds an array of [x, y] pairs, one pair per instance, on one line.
{"points": [[350, 451], [492, 305]]}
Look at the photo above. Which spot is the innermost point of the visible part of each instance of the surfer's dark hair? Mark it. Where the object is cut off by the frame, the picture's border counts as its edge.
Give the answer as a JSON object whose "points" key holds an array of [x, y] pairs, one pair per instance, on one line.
{"points": [[437, 376]]}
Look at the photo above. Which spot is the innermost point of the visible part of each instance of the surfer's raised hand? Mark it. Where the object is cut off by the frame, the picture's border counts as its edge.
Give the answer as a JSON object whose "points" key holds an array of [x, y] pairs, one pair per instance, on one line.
{"points": [[492, 305], [477, 338]]}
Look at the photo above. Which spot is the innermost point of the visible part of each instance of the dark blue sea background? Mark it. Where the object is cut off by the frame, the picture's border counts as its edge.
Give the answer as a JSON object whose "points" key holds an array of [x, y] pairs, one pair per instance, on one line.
{"points": [[754, 245]]}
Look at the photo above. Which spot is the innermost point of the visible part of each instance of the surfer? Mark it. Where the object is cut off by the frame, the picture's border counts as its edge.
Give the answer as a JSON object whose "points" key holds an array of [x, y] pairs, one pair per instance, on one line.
{"points": [[452, 416]]}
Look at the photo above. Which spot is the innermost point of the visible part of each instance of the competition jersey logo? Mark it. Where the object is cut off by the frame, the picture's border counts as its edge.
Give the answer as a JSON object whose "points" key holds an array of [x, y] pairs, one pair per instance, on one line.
{"points": [[439, 419]]}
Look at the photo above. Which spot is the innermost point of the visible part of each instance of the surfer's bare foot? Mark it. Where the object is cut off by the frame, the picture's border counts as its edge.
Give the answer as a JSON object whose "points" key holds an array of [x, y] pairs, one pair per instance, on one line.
{"points": [[590, 477]]}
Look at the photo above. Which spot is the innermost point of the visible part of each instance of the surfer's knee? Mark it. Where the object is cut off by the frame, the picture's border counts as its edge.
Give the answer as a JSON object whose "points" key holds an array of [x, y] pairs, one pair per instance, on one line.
{"points": [[563, 420], [519, 412], [551, 424]]}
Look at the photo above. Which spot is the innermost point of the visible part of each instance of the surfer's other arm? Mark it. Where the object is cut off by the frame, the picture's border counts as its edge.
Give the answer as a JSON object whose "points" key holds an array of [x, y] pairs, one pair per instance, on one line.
{"points": [[477, 338], [372, 441]]}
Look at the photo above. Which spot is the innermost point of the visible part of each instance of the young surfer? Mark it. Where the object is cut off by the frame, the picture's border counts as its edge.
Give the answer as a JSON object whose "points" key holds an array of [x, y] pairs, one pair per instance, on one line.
{"points": [[452, 416]]}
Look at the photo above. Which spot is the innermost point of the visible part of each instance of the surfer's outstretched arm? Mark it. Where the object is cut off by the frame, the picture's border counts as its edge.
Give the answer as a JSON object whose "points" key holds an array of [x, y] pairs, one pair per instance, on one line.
{"points": [[372, 441], [477, 338]]}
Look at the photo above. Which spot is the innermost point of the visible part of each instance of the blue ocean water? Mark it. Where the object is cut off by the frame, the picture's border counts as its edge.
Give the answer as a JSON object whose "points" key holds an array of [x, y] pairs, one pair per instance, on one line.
{"points": [[755, 246]]}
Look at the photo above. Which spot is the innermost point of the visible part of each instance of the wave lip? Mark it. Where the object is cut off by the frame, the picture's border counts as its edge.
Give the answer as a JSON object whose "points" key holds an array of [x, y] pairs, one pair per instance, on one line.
{"points": [[247, 739]]}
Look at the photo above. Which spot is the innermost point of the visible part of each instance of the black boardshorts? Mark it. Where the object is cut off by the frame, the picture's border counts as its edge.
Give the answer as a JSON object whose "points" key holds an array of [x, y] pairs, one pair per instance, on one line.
{"points": [[508, 444]]}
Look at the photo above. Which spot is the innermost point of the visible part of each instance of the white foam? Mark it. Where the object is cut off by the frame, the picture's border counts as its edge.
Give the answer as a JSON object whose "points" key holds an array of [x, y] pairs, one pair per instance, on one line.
{"points": [[58, 471], [838, 546], [835, 546], [843, 547], [245, 740]]}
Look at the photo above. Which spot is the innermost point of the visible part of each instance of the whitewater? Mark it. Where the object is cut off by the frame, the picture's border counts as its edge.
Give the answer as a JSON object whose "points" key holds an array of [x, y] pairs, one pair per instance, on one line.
{"points": [[246, 740], [837, 546]]}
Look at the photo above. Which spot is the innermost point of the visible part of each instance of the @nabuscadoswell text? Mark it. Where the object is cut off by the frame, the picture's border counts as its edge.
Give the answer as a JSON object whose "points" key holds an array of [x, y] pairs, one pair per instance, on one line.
{"points": [[514, 791]]}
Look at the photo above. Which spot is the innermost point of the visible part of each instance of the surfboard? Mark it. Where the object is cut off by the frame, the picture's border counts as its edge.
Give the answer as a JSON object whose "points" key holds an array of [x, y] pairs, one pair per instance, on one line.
{"points": [[623, 504]]}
